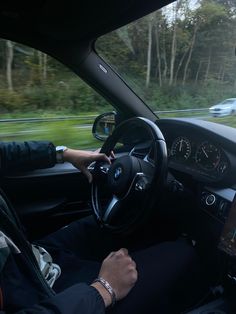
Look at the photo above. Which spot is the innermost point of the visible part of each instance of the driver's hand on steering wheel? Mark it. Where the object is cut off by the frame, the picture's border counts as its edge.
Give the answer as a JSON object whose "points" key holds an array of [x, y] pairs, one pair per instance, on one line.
{"points": [[119, 270], [81, 159]]}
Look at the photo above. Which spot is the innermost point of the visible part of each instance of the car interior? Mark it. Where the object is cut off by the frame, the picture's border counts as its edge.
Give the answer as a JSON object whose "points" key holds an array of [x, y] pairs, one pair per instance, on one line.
{"points": [[171, 177]]}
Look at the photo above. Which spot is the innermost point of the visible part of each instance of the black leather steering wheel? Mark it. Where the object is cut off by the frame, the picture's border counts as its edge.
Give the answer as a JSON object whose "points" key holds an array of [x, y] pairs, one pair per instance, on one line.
{"points": [[133, 181]]}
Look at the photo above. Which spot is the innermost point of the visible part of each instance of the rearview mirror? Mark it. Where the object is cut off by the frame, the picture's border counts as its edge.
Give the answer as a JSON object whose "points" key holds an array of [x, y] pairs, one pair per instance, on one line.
{"points": [[104, 125]]}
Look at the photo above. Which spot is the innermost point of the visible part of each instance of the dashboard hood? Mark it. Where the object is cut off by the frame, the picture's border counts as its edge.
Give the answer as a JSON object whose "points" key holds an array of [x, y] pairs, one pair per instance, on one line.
{"points": [[226, 132]]}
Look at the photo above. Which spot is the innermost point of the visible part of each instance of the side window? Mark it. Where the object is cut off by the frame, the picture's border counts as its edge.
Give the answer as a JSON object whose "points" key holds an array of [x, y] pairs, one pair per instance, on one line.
{"points": [[40, 99]]}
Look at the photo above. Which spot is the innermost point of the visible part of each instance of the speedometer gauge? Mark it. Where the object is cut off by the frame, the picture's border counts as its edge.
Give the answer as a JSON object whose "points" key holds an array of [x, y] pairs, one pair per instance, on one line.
{"points": [[207, 156], [181, 148]]}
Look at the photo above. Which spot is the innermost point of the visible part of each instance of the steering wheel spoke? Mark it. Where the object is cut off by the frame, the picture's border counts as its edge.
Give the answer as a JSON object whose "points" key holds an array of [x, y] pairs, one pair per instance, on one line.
{"points": [[100, 171], [104, 168], [111, 207], [142, 182]]}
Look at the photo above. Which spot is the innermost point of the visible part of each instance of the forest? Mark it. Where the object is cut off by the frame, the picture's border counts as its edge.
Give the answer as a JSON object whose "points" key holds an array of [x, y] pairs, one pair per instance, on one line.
{"points": [[182, 56]]}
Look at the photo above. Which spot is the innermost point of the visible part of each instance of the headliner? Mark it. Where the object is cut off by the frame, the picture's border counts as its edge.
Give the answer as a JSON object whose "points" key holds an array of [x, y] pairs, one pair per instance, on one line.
{"points": [[68, 19]]}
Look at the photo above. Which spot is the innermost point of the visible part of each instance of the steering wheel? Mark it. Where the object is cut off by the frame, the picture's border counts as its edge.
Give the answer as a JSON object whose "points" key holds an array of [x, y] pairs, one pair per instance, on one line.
{"points": [[125, 192]]}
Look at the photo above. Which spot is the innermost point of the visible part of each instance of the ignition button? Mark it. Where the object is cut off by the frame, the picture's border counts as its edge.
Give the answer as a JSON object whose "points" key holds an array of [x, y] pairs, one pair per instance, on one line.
{"points": [[210, 199]]}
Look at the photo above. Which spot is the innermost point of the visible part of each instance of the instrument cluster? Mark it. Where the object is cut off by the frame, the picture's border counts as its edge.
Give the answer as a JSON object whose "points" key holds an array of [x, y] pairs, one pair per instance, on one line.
{"points": [[201, 157]]}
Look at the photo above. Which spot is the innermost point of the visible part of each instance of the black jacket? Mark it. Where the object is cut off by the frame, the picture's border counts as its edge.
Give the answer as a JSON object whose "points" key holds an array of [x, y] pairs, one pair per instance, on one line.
{"points": [[23, 289]]}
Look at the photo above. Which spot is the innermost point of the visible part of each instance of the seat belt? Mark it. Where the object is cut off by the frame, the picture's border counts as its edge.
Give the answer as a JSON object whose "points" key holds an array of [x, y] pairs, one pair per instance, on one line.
{"points": [[11, 226], [6, 206]]}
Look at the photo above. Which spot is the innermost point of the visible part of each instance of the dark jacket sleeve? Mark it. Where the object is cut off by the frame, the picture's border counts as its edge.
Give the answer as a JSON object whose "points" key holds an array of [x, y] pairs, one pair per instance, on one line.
{"points": [[26, 155], [79, 299]]}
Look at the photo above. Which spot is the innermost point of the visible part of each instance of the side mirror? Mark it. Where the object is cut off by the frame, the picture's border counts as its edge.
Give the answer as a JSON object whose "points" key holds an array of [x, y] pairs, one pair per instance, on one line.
{"points": [[104, 125]]}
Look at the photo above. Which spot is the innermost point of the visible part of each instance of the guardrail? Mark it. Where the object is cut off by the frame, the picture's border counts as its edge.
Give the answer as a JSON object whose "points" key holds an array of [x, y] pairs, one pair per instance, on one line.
{"points": [[48, 119], [182, 110], [84, 118]]}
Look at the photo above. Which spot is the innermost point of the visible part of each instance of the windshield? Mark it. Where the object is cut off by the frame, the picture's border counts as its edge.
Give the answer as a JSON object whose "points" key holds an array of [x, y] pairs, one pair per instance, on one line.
{"points": [[228, 101], [180, 60]]}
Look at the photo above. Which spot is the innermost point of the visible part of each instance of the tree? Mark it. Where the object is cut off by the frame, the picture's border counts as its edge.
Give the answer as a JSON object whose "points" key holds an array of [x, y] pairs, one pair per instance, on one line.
{"points": [[175, 21], [159, 29], [149, 50], [9, 62], [190, 52]]}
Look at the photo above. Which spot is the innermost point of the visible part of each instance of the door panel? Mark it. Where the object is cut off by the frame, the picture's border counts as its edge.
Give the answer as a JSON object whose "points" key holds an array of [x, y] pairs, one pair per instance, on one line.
{"points": [[48, 199]]}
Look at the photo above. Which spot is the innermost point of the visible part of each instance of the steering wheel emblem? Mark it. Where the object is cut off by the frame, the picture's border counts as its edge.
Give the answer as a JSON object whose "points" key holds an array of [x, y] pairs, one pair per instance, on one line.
{"points": [[117, 173]]}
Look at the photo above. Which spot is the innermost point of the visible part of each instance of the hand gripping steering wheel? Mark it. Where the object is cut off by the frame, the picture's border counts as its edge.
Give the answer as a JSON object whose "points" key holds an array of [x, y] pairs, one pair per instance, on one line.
{"points": [[125, 192]]}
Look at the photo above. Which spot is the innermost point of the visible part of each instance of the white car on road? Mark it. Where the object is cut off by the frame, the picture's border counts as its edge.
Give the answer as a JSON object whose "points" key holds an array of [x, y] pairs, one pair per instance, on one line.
{"points": [[224, 108]]}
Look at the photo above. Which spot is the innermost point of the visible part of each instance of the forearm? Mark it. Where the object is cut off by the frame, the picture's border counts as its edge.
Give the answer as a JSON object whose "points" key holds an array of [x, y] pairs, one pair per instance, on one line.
{"points": [[79, 298], [26, 155]]}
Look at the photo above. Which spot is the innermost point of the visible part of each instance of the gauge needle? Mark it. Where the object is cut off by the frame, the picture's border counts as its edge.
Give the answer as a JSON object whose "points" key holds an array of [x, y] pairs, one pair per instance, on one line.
{"points": [[204, 152], [181, 144]]}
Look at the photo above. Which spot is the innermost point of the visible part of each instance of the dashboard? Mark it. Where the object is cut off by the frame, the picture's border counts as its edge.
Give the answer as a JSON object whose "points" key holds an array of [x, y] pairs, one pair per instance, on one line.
{"points": [[206, 153], [202, 149]]}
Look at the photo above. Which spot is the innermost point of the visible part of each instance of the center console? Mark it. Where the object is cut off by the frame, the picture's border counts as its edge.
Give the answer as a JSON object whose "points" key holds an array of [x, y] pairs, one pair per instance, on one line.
{"points": [[217, 202], [227, 241], [220, 204]]}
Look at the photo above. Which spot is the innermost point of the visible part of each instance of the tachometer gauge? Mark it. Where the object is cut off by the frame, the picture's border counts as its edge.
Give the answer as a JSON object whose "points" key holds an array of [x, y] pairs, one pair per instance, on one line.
{"points": [[181, 148], [207, 156]]}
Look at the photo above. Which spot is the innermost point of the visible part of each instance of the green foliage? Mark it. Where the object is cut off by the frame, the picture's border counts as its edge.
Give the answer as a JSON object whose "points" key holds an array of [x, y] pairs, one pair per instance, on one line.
{"points": [[229, 121], [61, 132], [10, 101], [69, 95], [190, 96]]}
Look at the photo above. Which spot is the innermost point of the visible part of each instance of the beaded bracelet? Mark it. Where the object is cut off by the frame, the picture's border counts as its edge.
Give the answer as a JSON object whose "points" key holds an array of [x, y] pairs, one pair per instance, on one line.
{"points": [[108, 287]]}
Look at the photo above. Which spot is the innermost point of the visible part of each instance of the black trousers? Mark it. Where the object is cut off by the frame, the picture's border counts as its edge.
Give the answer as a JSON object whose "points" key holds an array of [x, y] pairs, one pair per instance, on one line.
{"points": [[170, 277]]}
